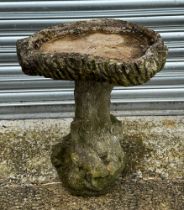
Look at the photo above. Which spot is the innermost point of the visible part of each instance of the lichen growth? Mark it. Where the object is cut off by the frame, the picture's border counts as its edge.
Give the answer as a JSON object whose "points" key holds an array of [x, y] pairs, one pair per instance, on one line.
{"points": [[90, 158]]}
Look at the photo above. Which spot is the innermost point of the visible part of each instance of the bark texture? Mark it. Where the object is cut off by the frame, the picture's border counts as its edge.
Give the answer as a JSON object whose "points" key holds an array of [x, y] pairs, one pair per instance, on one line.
{"points": [[77, 66], [90, 158]]}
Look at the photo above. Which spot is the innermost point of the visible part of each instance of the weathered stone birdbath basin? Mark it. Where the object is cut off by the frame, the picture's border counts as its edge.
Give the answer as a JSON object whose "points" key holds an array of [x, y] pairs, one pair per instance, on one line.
{"points": [[97, 55]]}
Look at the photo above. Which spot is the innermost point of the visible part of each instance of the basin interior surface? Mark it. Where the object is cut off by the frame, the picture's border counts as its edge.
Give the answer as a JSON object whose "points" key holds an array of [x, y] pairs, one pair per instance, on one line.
{"points": [[123, 46]]}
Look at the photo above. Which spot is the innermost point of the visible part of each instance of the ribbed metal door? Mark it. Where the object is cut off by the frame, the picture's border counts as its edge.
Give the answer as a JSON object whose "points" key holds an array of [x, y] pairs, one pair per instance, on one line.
{"points": [[22, 96]]}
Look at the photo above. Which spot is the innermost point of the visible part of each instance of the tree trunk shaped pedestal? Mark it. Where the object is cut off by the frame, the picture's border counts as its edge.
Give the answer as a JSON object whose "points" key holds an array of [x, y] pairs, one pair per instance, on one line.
{"points": [[90, 158], [97, 55]]}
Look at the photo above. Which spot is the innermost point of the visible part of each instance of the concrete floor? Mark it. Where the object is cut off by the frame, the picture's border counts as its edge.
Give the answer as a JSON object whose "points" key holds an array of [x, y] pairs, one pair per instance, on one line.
{"points": [[153, 178]]}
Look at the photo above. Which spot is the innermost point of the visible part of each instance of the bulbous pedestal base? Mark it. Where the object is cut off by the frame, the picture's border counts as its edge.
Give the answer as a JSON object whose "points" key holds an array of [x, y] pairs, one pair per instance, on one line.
{"points": [[89, 164], [90, 158]]}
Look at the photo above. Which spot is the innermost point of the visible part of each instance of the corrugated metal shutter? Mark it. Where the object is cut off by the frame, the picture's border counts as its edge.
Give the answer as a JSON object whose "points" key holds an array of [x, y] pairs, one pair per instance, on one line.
{"points": [[22, 96]]}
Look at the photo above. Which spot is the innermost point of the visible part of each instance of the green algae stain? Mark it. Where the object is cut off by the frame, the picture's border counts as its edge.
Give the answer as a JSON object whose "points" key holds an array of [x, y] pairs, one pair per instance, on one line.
{"points": [[4, 170]]}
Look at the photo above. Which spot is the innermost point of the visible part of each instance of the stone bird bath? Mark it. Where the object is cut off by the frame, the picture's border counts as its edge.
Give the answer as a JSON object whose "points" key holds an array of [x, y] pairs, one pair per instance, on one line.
{"points": [[97, 55]]}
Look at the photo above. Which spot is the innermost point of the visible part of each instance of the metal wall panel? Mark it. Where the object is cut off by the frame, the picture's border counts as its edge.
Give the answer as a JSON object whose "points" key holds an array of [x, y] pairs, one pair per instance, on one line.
{"points": [[22, 96]]}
